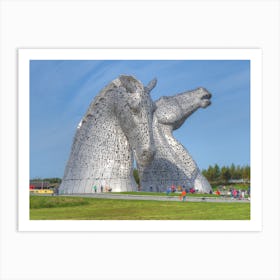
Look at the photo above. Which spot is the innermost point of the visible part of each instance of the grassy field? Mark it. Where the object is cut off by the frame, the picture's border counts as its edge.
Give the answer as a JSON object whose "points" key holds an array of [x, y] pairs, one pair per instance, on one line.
{"points": [[77, 208]]}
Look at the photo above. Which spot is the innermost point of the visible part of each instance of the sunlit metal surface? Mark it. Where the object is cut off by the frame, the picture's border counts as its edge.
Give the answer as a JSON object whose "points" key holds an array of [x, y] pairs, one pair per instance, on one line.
{"points": [[172, 164], [117, 124]]}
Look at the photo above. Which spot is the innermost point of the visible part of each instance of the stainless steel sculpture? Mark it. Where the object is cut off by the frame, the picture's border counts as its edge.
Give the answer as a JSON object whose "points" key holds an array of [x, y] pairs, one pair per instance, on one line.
{"points": [[117, 123], [172, 163]]}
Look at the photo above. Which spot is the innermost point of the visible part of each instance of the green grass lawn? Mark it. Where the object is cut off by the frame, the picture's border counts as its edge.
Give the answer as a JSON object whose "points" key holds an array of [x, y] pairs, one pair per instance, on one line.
{"points": [[77, 208]]}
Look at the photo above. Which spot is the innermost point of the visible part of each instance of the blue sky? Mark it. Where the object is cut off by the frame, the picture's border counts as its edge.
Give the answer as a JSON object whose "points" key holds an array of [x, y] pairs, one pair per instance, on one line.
{"points": [[61, 91]]}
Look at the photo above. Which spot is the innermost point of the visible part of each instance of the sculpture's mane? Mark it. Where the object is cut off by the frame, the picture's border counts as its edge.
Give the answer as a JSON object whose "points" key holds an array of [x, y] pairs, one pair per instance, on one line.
{"points": [[102, 95], [96, 101], [114, 85]]}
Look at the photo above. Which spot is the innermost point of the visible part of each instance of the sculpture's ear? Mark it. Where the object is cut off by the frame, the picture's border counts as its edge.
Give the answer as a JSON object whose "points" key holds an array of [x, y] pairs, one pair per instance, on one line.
{"points": [[150, 86]]}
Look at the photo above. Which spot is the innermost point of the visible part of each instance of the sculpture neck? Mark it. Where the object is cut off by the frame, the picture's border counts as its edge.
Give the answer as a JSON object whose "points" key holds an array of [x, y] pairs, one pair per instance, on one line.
{"points": [[99, 156], [172, 149], [185, 109], [112, 152]]}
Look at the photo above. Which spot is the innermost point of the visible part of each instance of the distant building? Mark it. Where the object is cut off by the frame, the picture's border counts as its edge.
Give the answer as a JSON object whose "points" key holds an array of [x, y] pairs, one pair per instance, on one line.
{"points": [[239, 181], [37, 184]]}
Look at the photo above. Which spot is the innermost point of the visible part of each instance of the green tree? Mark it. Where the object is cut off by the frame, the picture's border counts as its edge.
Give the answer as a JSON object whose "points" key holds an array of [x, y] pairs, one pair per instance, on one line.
{"points": [[225, 174], [246, 173], [209, 173], [217, 172], [238, 172], [53, 180], [204, 173], [212, 173], [232, 171], [136, 176]]}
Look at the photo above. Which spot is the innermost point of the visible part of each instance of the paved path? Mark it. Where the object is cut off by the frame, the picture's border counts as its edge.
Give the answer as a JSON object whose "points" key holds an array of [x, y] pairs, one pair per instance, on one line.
{"points": [[159, 198]]}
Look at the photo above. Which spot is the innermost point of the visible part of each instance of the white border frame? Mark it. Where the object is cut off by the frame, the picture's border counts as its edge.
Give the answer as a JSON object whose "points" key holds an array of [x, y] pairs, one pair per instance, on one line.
{"points": [[254, 55]]}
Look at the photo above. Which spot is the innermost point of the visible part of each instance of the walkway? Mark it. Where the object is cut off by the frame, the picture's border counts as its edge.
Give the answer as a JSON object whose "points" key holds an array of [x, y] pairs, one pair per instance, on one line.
{"points": [[159, 198]]}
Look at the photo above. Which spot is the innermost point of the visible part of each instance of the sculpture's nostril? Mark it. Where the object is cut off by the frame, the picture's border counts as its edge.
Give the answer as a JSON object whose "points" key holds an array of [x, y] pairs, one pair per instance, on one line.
{"points": [[206, 96]]}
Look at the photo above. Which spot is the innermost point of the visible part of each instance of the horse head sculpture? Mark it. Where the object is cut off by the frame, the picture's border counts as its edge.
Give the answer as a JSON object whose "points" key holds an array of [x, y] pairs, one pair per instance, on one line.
{"points": [[174, 110], [172, 163], [133, 108], [117, 123]]}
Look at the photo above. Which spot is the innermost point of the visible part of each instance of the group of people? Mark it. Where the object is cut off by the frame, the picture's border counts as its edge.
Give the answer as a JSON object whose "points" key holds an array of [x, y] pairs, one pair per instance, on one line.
{"points": [[182, 189], [239, 194], [173, 189], [107, 189], [234, 193]]}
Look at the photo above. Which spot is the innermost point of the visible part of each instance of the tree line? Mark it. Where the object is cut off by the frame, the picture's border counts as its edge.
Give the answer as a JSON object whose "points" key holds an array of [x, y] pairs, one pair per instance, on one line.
{"points": [[225, 173], [51, 181]]}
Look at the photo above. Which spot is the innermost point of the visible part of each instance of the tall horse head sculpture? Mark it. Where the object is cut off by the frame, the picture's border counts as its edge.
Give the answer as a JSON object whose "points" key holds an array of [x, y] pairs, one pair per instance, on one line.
{"points": [[172, 163], [117, 123], [174, 110]]}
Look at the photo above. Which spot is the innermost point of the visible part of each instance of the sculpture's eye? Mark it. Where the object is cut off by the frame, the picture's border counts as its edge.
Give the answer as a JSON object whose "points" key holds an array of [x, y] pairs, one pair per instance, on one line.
{"points": [[134, 102], [134, 105]]}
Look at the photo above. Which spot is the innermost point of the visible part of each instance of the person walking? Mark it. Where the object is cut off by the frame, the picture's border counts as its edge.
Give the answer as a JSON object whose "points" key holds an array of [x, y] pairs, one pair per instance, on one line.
{"points": [[101, 188], [94, 188], [183, 195], [168, 190], [243, 194]]}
